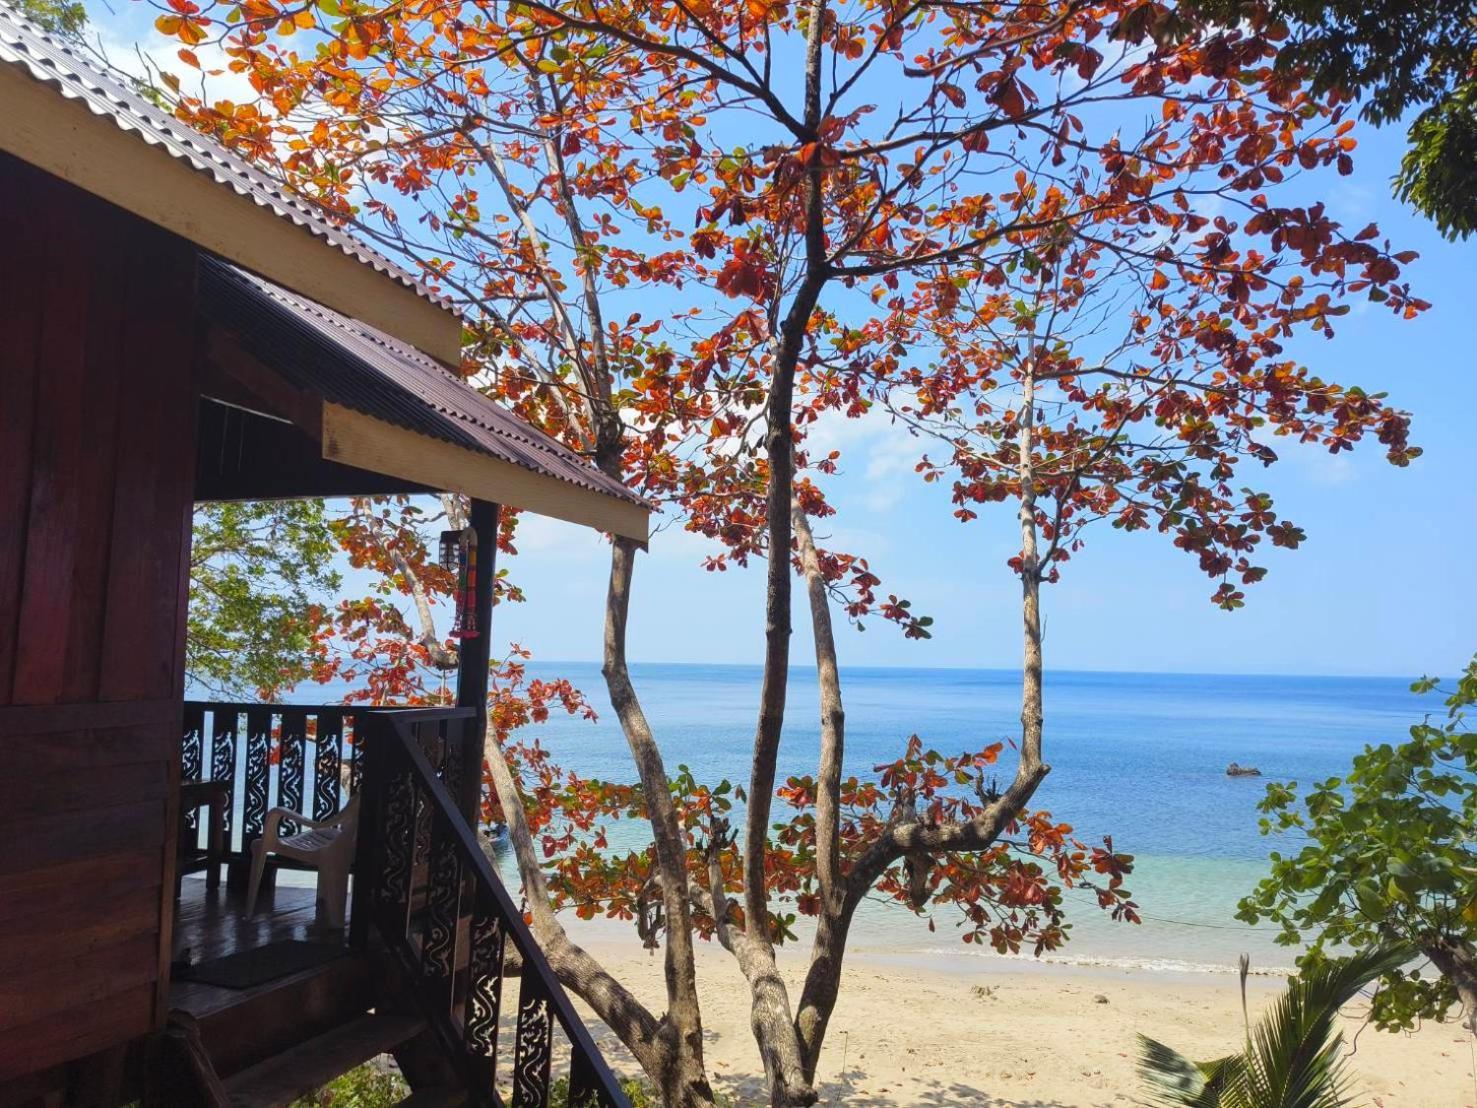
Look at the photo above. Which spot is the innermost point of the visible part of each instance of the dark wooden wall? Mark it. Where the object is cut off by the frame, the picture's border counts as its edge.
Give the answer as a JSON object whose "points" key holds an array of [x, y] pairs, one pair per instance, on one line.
{"points": [[97, 463]]}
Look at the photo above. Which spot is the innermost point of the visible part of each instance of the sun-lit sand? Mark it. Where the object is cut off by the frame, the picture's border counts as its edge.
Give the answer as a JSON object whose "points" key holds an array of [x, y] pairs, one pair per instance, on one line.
{"points": [[997, 1033]]}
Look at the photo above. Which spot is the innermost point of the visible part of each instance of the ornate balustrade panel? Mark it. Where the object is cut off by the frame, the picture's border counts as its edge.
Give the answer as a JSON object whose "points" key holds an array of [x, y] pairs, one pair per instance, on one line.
{"points": [[292, 741], [328, 761], [298, 756], [192, 753], [441, 909]]}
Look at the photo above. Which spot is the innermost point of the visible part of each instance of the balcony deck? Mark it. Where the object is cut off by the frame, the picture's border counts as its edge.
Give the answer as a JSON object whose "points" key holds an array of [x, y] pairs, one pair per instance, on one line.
{"points": [[211, 924]]}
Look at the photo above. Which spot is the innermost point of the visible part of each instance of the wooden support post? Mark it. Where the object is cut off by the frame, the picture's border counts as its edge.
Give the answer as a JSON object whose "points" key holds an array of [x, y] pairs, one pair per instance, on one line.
{"points": [[476, 656]]}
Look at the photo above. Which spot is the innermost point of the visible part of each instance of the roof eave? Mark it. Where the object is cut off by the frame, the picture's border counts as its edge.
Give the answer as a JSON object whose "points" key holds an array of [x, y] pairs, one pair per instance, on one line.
{"points": [[67, 139], [355, 439]]}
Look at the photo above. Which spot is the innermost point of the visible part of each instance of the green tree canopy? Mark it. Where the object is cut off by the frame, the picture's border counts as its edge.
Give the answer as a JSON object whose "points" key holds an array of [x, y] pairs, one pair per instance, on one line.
{"points": [[260, 574], [1398, 56], [1390, 857]]}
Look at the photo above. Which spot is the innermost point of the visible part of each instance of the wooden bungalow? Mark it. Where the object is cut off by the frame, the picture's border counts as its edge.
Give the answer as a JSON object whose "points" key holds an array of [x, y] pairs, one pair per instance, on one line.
{"points": [[175, 328]]}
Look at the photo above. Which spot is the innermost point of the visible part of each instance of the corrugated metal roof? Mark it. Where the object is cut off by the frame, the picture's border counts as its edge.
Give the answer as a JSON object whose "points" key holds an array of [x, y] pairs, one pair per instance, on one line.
{"points": [[352, 364], [76, 77]]}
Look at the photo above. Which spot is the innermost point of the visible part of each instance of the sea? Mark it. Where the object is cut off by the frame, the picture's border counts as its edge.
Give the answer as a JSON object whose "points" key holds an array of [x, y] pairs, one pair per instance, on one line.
{"points": [[1138, 756]]}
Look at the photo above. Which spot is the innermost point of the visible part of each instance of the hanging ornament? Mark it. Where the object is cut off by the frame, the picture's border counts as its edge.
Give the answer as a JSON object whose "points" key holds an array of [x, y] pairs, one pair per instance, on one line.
{"points": [[450, 552], [465, 625]]}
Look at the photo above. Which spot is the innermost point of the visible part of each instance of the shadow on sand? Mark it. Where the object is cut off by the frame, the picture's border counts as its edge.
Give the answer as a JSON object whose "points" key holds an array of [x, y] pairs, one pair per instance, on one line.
{"points": [[748, 1091]]}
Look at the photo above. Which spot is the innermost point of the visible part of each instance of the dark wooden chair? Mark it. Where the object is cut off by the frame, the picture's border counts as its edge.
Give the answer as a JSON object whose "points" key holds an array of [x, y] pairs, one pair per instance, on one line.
{"points": [[213, 796]]}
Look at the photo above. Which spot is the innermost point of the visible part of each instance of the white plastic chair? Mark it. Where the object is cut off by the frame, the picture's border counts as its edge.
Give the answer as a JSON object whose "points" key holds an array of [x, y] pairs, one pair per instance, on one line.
{"points": [[326, 845]]}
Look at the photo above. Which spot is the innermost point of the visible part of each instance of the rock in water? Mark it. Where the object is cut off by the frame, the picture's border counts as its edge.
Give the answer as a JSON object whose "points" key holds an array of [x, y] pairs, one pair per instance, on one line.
{"points": [[1235, 770]]}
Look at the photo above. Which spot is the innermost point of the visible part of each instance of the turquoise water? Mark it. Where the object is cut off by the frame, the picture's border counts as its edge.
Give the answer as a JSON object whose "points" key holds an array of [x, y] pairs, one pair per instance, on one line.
{"points": [[1139, 756]]}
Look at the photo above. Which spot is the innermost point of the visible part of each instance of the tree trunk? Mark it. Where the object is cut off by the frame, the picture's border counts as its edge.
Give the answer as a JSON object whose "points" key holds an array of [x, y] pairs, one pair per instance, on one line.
{"points": [[823, 978], [788, 1078], [1032, 716], [1458, 965], [684, 1082], [906, 836], [780, 452]]}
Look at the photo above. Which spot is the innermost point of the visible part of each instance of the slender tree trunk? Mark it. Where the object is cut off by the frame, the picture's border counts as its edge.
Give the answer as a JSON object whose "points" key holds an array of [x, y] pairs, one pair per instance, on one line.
{"points": [[683, 1081], [905, 835], [1457, 964], [637, 1028], [669, 1050], [832, 711], [770, 1012], [823, 978], [773, 1026], [1032, 716]]}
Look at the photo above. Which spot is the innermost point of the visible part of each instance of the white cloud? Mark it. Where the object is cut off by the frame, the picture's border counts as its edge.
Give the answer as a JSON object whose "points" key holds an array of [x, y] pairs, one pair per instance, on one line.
{"points": [[1354, 204], [549, 539], [1320, 466], [891, 464], [147, 56], [878, 458]]}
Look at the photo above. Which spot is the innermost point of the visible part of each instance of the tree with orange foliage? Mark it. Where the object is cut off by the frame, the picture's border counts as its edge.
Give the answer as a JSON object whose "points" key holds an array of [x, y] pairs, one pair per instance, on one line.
{"points": [[1060, 238]]}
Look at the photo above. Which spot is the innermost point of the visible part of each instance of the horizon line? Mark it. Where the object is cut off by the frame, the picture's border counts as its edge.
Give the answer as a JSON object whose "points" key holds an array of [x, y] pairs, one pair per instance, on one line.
{"points": [[998, 669]]}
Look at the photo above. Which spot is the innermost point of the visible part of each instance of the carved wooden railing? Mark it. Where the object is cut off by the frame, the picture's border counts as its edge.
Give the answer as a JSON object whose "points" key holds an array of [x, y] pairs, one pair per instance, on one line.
{"points": [[306, 757], [428, 893]]}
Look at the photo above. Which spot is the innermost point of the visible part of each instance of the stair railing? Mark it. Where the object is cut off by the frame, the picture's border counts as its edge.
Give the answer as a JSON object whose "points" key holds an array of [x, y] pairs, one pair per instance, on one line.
{"points": [[425, 887]]}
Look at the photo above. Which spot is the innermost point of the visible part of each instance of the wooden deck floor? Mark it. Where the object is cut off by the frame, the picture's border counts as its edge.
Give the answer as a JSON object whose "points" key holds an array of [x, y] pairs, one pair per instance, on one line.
{"points": [[212, 924]]}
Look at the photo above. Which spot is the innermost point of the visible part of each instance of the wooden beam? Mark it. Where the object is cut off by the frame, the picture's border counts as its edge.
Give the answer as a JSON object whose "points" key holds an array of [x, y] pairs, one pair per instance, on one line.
{"points": [[67, 139], [247, 456], [229, 366], [475, 657], [360, 440]]}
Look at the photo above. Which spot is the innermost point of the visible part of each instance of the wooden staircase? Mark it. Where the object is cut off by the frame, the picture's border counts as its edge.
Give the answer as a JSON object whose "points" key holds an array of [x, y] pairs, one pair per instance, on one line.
{"points": [[283, 1042], [439, 911], [284, 1077], [277, 1018], [438, 954]]}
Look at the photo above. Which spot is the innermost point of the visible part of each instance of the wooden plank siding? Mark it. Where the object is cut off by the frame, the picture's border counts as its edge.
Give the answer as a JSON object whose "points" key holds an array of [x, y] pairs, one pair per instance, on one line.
{"points": [[97, 463]]}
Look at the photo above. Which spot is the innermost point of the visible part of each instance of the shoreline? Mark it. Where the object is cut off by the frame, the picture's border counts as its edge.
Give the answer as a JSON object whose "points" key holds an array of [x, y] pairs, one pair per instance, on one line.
{"points": [[1087, 967], [958, 959], [927, 1031], [969, 969]]}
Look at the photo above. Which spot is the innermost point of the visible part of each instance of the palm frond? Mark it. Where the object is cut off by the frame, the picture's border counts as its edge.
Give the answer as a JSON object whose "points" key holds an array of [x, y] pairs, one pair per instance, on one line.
{"points": [[1173, 1081], [1293, 1056]]}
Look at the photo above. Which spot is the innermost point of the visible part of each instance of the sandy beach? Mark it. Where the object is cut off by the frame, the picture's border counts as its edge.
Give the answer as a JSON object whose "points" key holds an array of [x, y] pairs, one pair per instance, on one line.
{"points": [[1012, 1034]]}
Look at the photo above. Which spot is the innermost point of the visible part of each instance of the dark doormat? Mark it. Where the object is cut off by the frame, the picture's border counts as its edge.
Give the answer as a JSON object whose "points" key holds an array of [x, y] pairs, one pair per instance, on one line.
{"points": [[246, 968]]}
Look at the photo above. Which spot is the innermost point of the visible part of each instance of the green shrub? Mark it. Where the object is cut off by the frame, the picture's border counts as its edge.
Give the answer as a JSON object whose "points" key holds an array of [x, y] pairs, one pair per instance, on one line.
{"points": [[636, 1090], [372, 1086], [366, 1086]]}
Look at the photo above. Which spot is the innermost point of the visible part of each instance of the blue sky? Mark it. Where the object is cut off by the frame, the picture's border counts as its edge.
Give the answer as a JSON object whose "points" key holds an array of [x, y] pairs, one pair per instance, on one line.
{"points": [[1383, 584]]}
